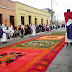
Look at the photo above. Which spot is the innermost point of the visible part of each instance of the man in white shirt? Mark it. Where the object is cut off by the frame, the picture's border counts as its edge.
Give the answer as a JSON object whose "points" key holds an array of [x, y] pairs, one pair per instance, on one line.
{"points": [[10, 28]]}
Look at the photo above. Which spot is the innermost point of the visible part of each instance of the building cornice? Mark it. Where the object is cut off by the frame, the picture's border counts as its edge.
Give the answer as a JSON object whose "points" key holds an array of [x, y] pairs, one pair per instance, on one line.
{"points": [[32, 12], [23, 13], [7, 8], [29, 6]]}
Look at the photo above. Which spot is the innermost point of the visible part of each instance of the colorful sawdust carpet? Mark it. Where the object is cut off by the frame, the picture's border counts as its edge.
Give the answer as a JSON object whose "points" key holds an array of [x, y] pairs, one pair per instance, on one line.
{"points": [[34, 55]]}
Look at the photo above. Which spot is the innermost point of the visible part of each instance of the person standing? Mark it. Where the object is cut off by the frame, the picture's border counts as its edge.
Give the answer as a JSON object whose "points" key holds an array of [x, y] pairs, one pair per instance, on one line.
{"points": [[22, 26], [22, 33], [47, 27], [8, 33], [39, 27], [28, 29], [15, 32], [33, 29], [4, 37], [54, 27], [51, 27], [10, 28], [25, 30], [60, 26], [19, 30], [68, 19], [44, 26], [1, 32]]}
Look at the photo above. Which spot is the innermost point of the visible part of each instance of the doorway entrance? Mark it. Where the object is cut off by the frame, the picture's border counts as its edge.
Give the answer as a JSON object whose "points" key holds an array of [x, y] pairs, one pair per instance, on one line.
{"points": [[0, 18], [12, 20], [22, 20], [47, 21], [29, 19], [35, 21], [41, 21]]}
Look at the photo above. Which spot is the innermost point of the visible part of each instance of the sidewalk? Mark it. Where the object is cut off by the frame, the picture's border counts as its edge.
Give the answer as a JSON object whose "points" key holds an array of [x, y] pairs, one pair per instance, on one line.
{"points": [[63, 61]]}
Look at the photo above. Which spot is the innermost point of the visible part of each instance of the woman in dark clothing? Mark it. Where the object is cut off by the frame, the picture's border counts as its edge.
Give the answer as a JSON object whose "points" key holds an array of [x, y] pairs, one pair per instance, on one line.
{"points": [[25, 30], [19, 34], [28, 29]]}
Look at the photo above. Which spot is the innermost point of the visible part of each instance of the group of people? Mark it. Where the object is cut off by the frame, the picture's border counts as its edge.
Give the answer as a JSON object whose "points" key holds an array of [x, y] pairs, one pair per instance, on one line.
{"points": [[33, 29], [9, 32], [27, 29], [47, 27], [13, 32], [6, 32]]}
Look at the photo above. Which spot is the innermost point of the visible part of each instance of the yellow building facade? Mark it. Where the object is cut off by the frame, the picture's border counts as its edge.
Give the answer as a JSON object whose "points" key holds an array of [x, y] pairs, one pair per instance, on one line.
{"points": [[29, 15]]}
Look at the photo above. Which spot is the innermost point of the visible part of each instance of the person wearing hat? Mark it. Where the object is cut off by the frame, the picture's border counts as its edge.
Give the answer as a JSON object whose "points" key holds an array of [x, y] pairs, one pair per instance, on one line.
{"points": [[68, 19]]}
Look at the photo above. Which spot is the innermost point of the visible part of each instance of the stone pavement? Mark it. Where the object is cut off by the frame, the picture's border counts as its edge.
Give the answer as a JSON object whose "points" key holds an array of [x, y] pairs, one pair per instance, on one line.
{"points": [[62, 62]]}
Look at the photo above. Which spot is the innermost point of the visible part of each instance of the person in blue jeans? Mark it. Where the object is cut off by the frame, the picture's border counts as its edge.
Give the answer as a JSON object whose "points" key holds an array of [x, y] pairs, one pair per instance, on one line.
{"points": [[22, 33]]}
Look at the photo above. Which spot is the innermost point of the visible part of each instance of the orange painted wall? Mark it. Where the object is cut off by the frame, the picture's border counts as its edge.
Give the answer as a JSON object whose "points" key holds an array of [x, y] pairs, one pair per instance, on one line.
{"points": [[7, 9]]}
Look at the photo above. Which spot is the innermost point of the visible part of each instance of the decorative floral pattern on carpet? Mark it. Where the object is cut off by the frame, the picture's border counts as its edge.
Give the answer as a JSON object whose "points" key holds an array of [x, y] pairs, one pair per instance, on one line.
{"points": [[34, 55], [44, 63], [6, 58], [38, 43], [51, 37]]}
